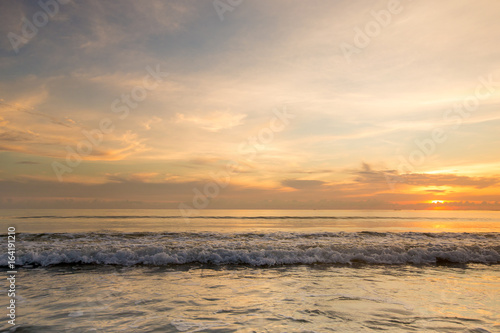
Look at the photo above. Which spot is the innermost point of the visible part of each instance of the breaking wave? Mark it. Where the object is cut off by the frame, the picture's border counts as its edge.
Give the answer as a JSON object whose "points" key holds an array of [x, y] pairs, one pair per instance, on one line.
{"points": [[255, 249]]}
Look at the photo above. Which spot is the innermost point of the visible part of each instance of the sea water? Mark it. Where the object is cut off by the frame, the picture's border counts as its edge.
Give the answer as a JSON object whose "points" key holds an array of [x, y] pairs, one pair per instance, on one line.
{"points": [[253, 271]]}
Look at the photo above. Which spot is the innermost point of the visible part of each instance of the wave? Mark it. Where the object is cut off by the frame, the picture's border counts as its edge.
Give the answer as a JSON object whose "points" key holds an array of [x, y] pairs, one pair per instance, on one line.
{"points": [[255, 249]]}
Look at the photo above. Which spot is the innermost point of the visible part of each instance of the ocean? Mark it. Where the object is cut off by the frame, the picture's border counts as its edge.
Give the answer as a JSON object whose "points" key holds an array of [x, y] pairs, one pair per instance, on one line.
{"points": [[252, 271]]}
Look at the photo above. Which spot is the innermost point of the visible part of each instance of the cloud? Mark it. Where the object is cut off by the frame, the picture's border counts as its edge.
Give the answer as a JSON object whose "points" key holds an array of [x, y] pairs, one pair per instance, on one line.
{"points": [[157, 190], [14, 135], [225, 80], [3, 122], [213, 121], [28, 162], [449, 180], [132, 21], [302, 184], [147, 124], [310, 171], [367, 175], [144, 177]]}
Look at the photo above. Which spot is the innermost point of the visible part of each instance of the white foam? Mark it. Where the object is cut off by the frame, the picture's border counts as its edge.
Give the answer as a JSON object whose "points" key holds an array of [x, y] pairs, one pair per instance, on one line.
{"points": [[278, 248]]}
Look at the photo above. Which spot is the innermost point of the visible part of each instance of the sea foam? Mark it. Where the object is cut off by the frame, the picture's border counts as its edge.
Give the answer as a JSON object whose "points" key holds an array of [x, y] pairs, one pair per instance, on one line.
{"points": [[256, 249]]}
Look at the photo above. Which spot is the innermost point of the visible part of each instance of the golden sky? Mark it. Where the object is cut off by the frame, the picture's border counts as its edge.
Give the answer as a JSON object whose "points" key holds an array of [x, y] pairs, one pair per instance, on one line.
{"points": [[250, 104]]}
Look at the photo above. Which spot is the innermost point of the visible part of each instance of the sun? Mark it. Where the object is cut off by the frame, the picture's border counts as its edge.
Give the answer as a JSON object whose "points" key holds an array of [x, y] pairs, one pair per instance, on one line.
{"points": [[437, 201]]}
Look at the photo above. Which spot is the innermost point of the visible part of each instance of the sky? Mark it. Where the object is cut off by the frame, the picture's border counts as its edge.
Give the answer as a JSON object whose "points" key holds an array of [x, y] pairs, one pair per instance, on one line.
{"points": [[197, 105]]}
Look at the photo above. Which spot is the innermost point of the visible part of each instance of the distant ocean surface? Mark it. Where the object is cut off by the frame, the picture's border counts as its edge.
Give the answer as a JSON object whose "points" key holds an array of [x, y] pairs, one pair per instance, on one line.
{"points": [[254, 271]]}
